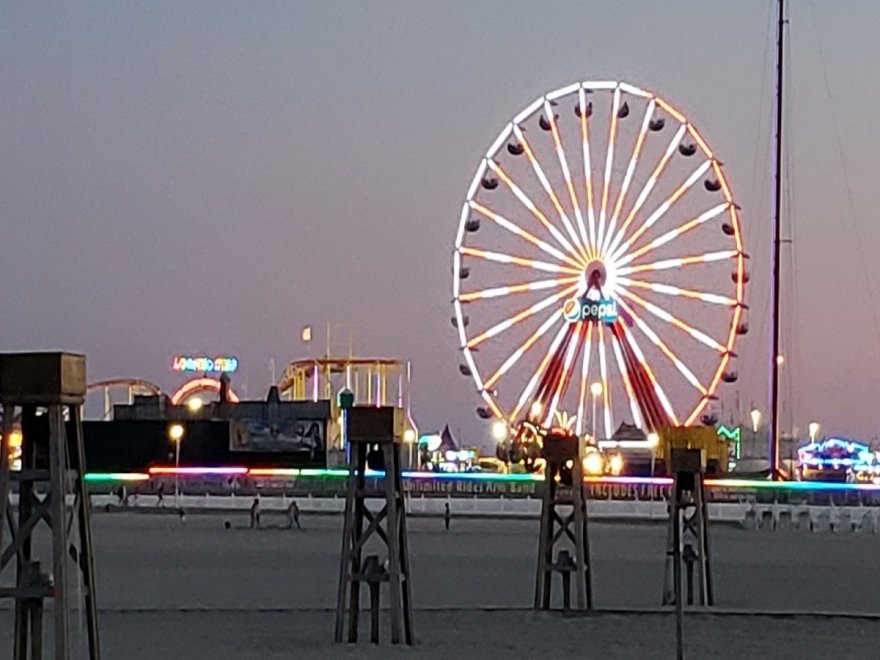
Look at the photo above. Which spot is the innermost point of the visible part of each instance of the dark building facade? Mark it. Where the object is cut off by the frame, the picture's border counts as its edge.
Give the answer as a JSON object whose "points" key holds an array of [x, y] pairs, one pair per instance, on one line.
{"points": [[249, 434]]}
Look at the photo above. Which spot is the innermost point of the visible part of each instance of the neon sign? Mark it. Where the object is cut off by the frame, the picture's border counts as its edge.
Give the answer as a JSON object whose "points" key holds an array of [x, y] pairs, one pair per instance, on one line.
{"points": [[204, 364], [582, 309], [734, 436], [836, 454]]}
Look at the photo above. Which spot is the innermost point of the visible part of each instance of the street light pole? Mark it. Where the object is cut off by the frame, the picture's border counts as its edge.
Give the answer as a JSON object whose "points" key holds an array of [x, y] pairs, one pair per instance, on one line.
{"points": [[177, 473], [596, 390], [409, 438], [593, 422], [175, 434]]}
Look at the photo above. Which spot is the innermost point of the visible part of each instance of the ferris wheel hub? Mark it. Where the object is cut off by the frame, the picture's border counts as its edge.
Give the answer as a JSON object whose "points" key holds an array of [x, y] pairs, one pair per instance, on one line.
{"points": [[593, 279]]}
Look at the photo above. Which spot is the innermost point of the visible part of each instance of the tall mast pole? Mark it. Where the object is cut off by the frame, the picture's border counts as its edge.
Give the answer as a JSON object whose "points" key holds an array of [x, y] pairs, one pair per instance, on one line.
{"points": [[773, 454]]}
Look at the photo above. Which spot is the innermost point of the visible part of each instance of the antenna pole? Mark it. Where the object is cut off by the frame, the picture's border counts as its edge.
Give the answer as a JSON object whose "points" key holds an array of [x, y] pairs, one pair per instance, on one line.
{"points": [[773, 432]]}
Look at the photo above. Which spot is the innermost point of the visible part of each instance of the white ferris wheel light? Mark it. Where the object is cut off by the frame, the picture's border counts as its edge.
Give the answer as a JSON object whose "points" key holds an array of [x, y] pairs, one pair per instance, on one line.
{"points": [[585, 196]]}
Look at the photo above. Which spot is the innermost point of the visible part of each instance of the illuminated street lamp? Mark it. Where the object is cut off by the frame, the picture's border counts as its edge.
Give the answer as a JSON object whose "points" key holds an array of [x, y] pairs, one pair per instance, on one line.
{"points": [[175, 434], [756, 419], [756, 423], [499, 430], [195, 404], [596, 390], [653, 443], [409, 437], [536, 409], [814, 430]]}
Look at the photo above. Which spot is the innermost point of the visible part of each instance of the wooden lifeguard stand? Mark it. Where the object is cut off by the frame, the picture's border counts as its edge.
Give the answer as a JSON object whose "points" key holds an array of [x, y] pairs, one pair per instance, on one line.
{"points": [[563, 516], [49, 390], [374, 437], [687, 539]]}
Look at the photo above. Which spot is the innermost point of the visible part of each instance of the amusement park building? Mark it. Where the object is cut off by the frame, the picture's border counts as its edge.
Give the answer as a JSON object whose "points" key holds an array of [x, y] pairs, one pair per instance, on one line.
{"points": [[247, 433]]}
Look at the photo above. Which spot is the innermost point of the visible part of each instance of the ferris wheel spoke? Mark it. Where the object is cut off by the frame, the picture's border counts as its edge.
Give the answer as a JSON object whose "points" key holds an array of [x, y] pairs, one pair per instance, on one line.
{"points": [[515, 229], [663, 315], [655, 384], [525, 287], [573, 348], [501, 258], [652, 336], [585, 372], [609, 162], [606, 394], [533, 381], [648, 187], [663, 208], [630, 171], [521, 316], [588, 172], [554, 198], [670, 290], [524, 347], [627, 383], [526, 201], [566, 173], [667, 264], [672, 234]]}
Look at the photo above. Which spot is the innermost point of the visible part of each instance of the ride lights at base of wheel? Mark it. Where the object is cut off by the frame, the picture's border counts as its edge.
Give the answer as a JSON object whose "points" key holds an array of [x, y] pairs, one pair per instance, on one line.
{"points": [[594, 464], [14, 449], [839, 456]]}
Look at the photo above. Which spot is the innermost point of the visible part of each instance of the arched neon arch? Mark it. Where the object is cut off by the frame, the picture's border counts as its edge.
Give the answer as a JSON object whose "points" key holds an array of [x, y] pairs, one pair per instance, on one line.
{"points": [[197, 385]]}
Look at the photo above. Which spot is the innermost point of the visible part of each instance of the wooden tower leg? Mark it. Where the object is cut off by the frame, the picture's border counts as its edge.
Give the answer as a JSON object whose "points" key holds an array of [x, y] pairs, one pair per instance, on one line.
{"points": [[404, 558], [58, 479], [355, 549], [580, 534], [705, 550], [392, 501], [542, 574], [86, 558], [345, 552]]}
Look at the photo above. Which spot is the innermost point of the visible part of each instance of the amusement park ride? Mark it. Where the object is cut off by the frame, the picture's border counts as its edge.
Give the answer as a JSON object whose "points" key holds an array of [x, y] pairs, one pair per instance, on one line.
{"points": [[374, 382], [599, 255]]}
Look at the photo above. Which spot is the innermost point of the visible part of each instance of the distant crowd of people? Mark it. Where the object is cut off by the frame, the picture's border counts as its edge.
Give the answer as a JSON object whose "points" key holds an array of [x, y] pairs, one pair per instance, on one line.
{"points": [[293, 511]]}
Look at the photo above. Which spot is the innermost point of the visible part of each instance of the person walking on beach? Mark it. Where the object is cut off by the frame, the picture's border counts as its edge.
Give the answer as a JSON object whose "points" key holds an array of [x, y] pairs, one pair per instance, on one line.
{"points": [[294, 515], [255, 513]]}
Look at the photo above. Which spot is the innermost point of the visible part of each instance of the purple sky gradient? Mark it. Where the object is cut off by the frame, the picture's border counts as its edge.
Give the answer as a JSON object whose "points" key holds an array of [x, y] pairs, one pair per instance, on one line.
{"points": [[210, 177]]}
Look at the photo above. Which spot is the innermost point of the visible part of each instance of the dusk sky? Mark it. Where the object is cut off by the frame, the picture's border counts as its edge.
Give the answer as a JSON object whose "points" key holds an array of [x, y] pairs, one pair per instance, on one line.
{"points": [[209, 177]]}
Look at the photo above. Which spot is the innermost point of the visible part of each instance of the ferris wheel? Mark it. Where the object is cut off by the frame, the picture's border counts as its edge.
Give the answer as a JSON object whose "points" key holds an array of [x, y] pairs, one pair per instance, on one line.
{"points": [[598, 270]]}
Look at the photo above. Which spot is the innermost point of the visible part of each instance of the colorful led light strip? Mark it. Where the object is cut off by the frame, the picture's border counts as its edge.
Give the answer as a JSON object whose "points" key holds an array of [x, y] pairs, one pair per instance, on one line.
{"points": [[734, 483], [195, 471], [102, 477], [629, 481]]}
